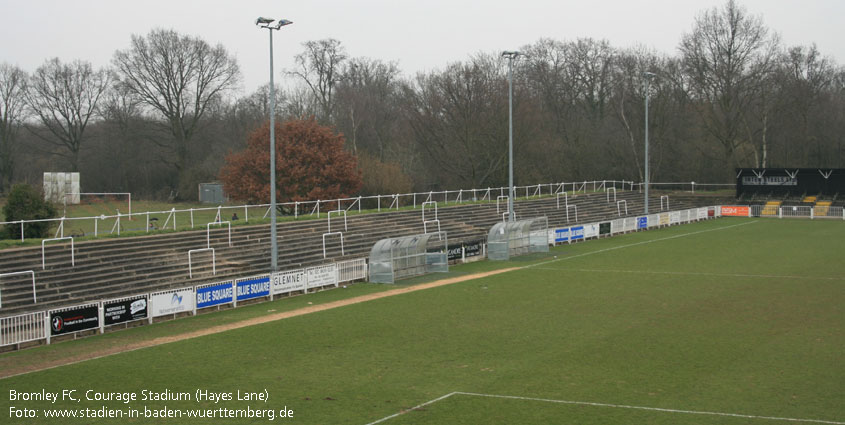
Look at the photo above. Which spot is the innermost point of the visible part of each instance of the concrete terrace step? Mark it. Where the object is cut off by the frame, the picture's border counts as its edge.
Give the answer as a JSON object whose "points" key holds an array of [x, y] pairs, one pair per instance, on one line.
{"points": [[111, 267]]}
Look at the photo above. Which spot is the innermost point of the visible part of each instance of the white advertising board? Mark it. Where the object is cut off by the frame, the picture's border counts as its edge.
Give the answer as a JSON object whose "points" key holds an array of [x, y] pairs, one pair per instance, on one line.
{"points": [[321, 276], [617, 226], [675, 217], [287, 282], [591, 230], [172, 302]]}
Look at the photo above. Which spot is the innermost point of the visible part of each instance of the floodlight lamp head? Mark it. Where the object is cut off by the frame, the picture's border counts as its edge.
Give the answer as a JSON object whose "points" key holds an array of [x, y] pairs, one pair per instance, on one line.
{"points": [[264, 21], [282, 22], [649, 75], [510, 54]]}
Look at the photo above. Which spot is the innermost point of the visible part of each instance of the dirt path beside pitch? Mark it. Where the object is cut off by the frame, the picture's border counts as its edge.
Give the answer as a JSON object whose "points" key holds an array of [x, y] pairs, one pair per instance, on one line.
{"points": [[70, 359]]}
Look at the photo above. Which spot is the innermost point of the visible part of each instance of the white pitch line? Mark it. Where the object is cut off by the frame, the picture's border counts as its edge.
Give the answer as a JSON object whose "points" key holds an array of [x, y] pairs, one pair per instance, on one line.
{"points": [[765, 276], [639, 243], [387, 418], [617, 406]]}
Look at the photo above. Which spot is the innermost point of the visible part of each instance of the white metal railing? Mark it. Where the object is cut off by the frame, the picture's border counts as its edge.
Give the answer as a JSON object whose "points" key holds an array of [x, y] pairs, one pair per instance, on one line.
{"points": [[72, 258], [171, 215], [397, 199], [208, 232], [351, 270], [574, 207], [213, 261], [686, 186], [338, 212], [341, 242], [565, 199], [619, 208], [499, 198], [505, 216], [35, 326], [432, 203], [23, 328], [608, 191], [425, 225], [30, 272], [796, 211]]}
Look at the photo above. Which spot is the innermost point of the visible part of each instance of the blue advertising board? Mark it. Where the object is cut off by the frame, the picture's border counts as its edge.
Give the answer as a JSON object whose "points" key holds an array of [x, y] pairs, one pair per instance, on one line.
{"points": [[562, 235], [253, 288], [642, 222], [214, 295], [576, 233]]}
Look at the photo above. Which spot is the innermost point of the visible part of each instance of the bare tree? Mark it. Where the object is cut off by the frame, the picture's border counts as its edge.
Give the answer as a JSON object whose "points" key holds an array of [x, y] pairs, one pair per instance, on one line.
{"points": [[319, 67], [459, 120], [727, 55], [179, 77], [64, 98], [13, 85], [806, 81], [367, 105], [571, 84]]}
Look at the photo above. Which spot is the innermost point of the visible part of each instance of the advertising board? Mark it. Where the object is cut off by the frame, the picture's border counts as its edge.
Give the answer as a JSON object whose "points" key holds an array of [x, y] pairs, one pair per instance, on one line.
{"points": [[287, 282], [124, 310], [576, 233], [735, 211], [321, 276], [591, 230], [561, 235], [252, 287], [214, 294], [74, 319], [172, 302]]}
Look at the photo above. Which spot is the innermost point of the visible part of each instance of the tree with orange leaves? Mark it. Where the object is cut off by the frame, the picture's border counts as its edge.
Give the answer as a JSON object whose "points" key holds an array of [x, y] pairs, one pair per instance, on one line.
{"points": [[311, 164]]}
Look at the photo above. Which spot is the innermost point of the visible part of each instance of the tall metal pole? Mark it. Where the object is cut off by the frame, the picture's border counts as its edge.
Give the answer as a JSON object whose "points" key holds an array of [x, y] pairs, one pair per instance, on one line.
{"points": [[648, 76], [511, 192], [510, 140], [274, 245]]}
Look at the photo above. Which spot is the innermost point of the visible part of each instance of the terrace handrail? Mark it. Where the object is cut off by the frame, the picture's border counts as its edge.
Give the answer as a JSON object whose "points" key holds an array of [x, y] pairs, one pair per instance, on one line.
{"points": [[315, 205], [208, 232], [30, 272], [213, 261], [44, 241]]}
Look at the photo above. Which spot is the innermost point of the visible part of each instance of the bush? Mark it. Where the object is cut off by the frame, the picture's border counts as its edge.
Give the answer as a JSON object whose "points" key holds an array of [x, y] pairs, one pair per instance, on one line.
{"points": [[26, 203]]}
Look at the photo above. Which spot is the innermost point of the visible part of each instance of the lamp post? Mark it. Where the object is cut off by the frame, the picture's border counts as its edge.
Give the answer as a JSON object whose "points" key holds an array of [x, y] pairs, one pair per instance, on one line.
{"points": [[511, 55], [274, 246], [648, 76]]}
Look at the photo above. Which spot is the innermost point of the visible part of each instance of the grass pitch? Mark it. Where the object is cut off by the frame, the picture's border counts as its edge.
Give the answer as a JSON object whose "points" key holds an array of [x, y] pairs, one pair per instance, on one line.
{"points": [[731, 321]]}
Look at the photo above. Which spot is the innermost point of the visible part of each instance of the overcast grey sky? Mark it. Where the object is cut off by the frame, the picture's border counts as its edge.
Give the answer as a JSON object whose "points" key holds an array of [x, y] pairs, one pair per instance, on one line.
{"points": [[419, 35]]}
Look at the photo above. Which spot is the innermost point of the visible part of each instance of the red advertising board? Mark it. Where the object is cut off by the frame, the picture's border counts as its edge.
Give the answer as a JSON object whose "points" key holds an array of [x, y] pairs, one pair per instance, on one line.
{"points": [[734, 211]]}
